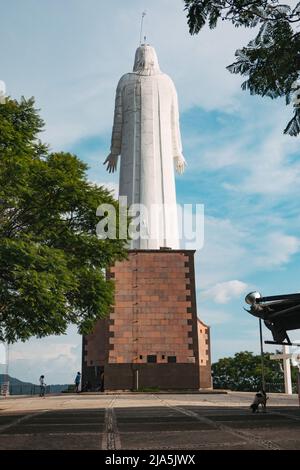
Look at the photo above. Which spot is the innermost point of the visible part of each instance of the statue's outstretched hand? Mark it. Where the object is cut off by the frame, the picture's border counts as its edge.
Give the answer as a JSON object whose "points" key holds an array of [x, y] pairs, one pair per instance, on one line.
{"points": [[111, 161], [180, 164]]}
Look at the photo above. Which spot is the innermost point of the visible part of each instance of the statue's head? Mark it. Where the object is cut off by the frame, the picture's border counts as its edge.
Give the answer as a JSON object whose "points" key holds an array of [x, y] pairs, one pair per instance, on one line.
{"points": [[146, 62]]}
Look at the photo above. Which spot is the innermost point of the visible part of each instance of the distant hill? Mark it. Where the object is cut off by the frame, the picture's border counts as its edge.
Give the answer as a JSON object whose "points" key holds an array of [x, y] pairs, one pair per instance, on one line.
{"points": [[18, 387]]}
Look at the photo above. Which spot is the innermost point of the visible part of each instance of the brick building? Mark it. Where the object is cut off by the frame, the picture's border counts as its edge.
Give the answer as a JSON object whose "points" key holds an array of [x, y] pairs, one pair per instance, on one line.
{"points": [[152, 337]]}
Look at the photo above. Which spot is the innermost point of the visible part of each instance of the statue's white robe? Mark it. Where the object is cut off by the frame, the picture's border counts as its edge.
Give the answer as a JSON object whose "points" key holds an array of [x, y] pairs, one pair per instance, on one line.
{"points": [[146, 134]]}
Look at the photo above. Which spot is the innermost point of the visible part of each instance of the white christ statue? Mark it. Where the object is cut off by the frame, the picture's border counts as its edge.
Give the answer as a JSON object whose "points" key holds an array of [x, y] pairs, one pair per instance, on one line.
{"points": [[146, 135]]}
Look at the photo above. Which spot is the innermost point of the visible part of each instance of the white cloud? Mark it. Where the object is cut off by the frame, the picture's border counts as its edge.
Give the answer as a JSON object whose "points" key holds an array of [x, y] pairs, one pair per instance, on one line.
{"points": [[57, 357], [24, 351], [232, 251], [215, 317], [60, 369], [74, 73], [261, 158], [224, 248], [277, 250], [263, 161], [220, 157], [270, 171], [223, 292], [111, 186]]}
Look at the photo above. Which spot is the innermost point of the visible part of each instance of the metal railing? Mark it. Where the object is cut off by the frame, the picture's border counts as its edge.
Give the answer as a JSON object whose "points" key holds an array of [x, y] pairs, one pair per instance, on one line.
{"points": [[278, 387], [28, 389], [271, 387]]}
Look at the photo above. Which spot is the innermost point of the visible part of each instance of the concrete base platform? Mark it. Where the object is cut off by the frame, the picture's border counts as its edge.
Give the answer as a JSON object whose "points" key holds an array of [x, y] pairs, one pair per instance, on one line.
{"points": [[151, 422]]}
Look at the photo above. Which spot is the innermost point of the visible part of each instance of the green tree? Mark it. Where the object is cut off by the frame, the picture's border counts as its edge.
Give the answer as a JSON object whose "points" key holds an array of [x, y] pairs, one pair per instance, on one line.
{"points": [[243, 372], [271, 61], [52, 264]]}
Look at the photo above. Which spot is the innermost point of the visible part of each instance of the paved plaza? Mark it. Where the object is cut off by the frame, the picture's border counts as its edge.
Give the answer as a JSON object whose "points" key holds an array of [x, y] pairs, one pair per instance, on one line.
{"points": [[148, 421]]}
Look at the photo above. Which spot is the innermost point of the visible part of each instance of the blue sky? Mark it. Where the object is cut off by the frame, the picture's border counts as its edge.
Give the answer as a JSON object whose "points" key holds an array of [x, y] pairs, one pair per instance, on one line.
{"points": [[70, 55]]}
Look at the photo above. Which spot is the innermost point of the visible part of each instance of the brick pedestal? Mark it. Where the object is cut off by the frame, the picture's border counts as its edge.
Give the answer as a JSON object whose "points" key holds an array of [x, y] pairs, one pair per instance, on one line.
{"points": [[153, 338]]}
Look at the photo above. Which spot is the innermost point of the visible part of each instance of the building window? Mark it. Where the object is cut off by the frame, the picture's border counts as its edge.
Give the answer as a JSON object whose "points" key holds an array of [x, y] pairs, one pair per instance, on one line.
{"points": [[163, 356], [171, 358], [141, 357], [91, 363], [151, 358]]}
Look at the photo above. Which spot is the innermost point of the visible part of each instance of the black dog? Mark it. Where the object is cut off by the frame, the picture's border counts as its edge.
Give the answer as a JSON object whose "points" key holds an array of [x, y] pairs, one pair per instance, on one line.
{"points": [[259, 399]]}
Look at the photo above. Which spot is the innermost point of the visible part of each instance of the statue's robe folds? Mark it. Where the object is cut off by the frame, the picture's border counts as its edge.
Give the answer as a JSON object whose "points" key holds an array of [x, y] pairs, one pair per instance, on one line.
{"points": [[146, 134]]}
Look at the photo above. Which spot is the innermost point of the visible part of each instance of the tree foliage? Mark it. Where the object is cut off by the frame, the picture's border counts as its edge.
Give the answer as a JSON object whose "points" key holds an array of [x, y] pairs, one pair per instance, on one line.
{"points": [[271, 61], [243, 372], [51, 261]]}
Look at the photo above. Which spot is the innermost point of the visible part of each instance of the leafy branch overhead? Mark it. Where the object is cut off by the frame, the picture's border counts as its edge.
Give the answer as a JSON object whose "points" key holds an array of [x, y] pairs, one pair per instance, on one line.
{"points": [[271, 61], [52, 265]]}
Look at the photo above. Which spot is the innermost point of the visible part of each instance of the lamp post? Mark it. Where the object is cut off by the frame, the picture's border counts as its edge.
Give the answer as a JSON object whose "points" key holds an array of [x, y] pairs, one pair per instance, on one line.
{"points": [[298, 384], [263, 380], [296, 363], [251, 299]]}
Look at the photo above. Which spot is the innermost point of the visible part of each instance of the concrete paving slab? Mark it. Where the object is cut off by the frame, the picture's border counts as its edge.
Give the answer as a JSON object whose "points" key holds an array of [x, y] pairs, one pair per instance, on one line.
{"points": [[255, 419], [71, 441], [7, 419], [160, 426], [205, 439], [54, 428]]}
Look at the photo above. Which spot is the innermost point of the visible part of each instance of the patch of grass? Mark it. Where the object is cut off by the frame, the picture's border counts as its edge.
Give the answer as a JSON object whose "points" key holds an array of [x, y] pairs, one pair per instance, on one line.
{"points": [[149, 389], [70, 389]]}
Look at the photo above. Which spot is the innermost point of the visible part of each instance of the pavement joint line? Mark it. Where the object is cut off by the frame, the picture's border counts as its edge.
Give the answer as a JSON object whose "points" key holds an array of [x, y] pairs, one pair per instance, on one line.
{"points": [[111, 437], [266, 444], [40, 425], [15, 422], [58, 434]]}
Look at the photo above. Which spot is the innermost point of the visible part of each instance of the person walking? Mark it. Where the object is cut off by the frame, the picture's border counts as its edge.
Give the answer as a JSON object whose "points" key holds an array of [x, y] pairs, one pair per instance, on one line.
{"points": [[42, 386], [77, 382]]}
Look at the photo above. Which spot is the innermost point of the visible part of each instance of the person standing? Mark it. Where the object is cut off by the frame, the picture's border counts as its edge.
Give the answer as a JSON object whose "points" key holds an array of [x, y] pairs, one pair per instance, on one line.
{"points": [[102, 381], [42, 386], [77, 382]]}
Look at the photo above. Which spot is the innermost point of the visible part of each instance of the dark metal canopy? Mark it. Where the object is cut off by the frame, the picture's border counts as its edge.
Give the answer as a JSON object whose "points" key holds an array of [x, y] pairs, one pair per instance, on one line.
{"points": [[280, 313]]}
